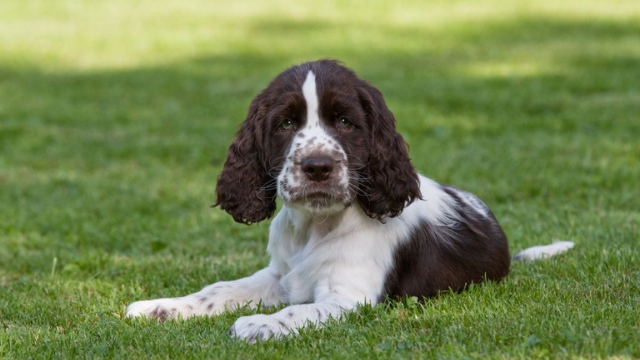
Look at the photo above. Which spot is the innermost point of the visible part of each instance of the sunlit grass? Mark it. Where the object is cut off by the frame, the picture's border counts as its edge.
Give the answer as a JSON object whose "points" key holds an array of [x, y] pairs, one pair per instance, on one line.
{"points": [[115, 117]]}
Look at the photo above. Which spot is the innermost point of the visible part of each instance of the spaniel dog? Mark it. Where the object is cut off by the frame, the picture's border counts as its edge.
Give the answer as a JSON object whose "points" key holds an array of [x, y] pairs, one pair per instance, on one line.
{"points": [[358, 223]]}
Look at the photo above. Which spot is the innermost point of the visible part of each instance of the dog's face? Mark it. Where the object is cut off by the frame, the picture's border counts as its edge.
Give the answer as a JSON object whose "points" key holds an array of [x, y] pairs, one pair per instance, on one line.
{"points": [[326, 147], [321, 139]]}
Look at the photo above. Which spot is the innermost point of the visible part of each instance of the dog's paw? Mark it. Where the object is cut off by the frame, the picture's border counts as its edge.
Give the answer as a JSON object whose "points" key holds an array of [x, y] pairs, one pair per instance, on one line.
{"points": [[259, 328], [161, 309]]}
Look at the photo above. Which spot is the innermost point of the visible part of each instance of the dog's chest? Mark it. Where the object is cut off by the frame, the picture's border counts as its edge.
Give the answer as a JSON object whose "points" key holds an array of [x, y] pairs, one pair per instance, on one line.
{"points": [[304, 268], [299, 285], [354, 254], [303, 255]]}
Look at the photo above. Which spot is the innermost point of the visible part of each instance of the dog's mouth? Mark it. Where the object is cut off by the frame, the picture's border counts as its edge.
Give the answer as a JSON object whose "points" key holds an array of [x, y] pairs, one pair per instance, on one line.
{"points": [[320, 201], [318, 195]]}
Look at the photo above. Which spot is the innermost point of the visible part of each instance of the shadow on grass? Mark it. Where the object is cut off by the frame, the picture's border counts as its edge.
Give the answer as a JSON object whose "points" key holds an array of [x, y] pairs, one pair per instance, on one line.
{"points": [[528, 73], [537, 110]]}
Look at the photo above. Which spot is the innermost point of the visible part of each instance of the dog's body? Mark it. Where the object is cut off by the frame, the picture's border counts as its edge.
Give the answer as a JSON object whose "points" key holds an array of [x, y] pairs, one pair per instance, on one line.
{"points": [[358, 224]]}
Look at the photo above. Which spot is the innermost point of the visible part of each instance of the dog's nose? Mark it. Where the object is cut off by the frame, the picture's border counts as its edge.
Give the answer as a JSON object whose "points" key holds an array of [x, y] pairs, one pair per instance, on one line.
{"points": [[317, 169]]}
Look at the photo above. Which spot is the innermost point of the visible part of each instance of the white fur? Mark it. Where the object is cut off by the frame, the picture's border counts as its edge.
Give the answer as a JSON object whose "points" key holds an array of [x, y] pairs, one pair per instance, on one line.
{"points": [[311, 98], [322, 266], [544, 251], [473, 201]]}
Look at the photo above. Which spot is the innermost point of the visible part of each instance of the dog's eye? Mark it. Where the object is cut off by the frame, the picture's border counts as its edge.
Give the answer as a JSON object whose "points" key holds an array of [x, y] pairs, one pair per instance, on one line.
{"points": [[345, 124], [286, 125]]}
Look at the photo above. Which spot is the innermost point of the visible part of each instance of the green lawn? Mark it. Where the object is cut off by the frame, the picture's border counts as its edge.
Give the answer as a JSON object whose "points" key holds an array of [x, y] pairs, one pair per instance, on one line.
{"points": [[115, 117]]}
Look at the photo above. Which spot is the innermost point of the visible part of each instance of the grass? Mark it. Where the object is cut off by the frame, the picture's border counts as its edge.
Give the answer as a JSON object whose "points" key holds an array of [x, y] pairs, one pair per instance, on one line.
{"points": [[115, 117]]}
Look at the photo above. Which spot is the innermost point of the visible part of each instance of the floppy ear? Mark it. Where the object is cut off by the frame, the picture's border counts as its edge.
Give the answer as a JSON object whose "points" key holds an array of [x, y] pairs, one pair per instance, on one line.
{"points": [[242, 186], [391, 182]]}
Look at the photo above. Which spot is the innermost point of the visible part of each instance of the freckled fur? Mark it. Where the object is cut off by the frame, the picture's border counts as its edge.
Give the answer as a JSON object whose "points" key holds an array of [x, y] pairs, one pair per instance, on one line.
{"points": [[368, 229]]}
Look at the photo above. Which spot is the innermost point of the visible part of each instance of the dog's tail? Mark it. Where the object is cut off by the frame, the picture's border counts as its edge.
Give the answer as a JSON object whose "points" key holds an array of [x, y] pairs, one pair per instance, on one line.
{"points": [[543, 251]]}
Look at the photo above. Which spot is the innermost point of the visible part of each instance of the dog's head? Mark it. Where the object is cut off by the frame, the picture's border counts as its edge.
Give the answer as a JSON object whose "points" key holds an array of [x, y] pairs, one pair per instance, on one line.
{"points": [[322, 139]]}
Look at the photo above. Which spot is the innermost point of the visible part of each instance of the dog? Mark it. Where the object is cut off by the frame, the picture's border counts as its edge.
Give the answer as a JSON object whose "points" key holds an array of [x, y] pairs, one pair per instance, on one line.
{"points": [[358, 223]]}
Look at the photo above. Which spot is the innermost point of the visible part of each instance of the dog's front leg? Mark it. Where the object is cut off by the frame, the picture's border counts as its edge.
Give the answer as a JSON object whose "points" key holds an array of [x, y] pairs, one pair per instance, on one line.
{"points": [[287, 321], [262, 287], [330, 302]]}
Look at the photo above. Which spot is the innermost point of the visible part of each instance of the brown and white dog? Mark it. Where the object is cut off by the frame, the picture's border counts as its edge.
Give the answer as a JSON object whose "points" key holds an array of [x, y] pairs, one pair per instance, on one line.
{"points": [[358, 223]]}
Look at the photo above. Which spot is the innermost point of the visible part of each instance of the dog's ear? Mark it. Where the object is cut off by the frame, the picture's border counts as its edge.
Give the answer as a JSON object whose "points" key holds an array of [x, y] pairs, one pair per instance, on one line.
{"points": [[390, 181], [242, 189]]}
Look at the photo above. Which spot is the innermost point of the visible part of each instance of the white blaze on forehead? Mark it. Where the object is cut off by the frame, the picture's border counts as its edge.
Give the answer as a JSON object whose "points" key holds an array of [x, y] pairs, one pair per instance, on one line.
{"points": [[311, 97]]}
